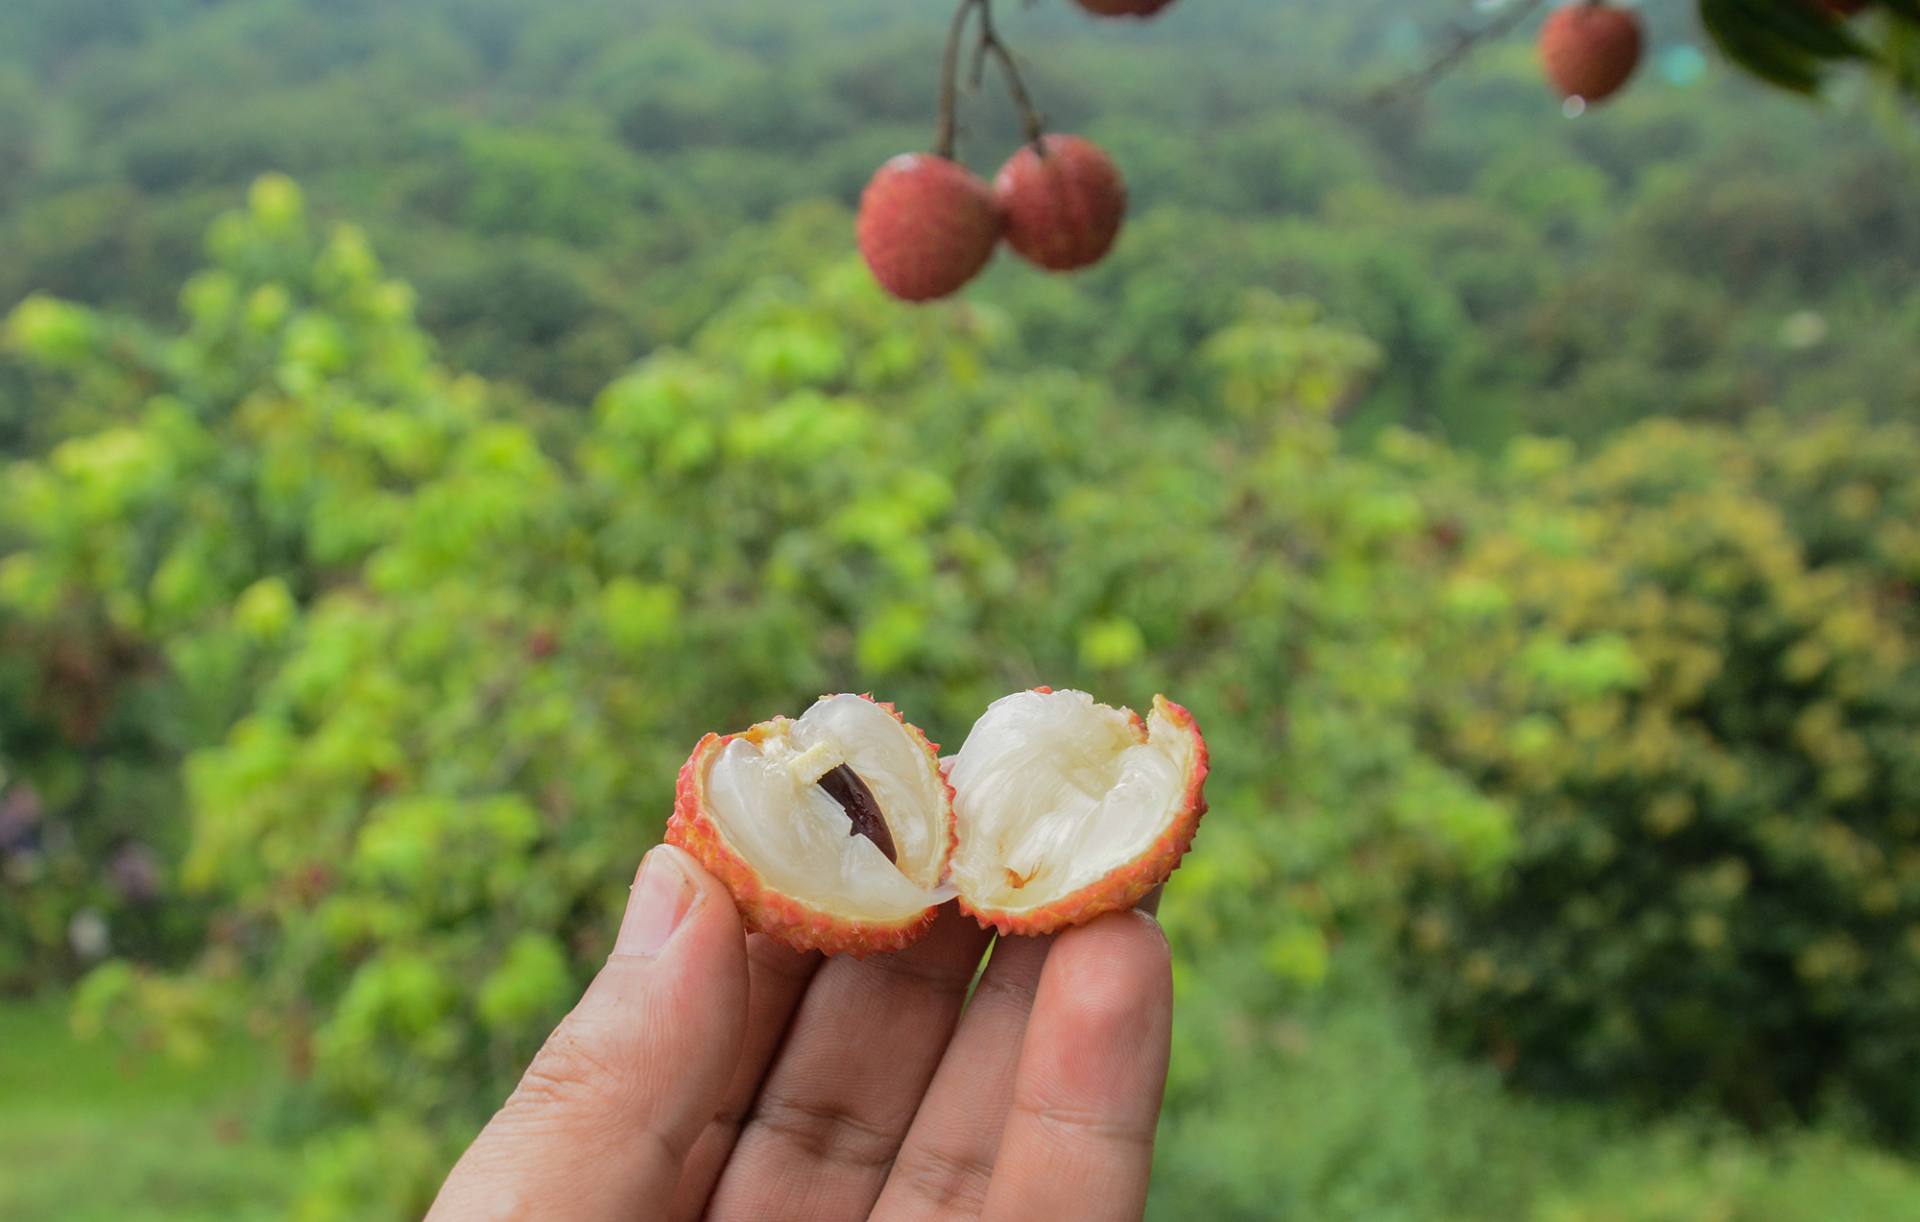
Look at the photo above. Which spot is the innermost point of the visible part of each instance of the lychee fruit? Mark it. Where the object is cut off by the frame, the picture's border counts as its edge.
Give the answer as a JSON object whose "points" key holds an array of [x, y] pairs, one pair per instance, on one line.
{"points": [[1064, 202], [1123, 8], [927, 226], [838, 831], [832, 831], [1590, 49], [1067, 808], [1842, 8]]}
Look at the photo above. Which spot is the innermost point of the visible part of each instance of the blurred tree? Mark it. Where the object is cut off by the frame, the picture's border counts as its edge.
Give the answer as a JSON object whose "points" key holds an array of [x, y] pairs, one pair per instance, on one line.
{"points": [[1698, 690]]}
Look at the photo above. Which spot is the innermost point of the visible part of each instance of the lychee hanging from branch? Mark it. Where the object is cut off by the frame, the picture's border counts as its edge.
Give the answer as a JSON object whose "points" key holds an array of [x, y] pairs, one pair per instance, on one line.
{"points": [[1064, 202], [1590, 49], [927, 226], [1586, 45]]}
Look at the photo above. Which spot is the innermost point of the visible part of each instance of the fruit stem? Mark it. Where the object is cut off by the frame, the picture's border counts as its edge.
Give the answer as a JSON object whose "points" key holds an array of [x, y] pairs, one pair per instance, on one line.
{"points": [[989, 44], [944, 133]]}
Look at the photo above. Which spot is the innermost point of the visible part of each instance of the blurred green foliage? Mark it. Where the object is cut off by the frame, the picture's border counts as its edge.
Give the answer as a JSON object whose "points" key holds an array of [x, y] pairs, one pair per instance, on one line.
{"points": [[1699, 689], [422, 674], [572, 184], [350, 635], [436, 660]]}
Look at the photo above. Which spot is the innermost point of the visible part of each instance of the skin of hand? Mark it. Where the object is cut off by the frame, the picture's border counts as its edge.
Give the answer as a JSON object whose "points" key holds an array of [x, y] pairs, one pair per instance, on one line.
{"points": [[711, 1073]]}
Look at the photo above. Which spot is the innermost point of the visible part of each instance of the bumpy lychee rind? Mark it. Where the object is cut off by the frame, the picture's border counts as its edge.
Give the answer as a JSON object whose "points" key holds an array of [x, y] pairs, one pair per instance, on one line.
{"points": [[1590, 50], [1126, 885], [926, 227], [1064, 202], [764, 909]]}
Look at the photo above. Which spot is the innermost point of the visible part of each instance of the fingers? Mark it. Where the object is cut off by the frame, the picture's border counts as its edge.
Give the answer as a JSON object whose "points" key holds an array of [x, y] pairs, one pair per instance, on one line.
{"points": [[1078, 1141], [777, 977], [946, 1163], [604, 1118], [843, 1091]]}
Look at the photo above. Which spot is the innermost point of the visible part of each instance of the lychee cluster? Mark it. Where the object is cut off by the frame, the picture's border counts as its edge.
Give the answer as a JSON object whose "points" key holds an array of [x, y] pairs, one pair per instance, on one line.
{"points": [[842, 831], [928, 225]]}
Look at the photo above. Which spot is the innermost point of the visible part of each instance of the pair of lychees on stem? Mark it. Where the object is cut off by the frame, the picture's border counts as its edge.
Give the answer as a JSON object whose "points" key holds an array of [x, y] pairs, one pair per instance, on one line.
{"points": [[844, 831], [928, 225]]}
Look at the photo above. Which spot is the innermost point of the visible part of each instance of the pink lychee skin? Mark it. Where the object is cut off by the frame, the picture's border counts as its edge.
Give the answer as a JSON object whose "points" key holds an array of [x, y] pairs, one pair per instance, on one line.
{"points": [[1590, 50], [1064, 202], [766, 910], [927, 226], [1125, 885], [1123, 8]]}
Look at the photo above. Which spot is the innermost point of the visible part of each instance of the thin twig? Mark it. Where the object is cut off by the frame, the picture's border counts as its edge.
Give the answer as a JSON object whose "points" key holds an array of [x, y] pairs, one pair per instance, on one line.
{"points": [[948, 124], [1030, 118], [989, 44], [1465, 41]]}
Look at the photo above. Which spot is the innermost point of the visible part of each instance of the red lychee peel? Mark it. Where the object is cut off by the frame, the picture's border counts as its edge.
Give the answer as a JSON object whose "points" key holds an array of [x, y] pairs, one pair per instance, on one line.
{"points": [[927, 226], [1590, 50], [1063, 209]]}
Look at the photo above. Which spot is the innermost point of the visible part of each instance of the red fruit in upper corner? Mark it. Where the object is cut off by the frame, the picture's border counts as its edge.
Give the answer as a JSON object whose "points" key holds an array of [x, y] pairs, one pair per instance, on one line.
{"points": [[1590, 50], [1123, 8], [927, 226], [1064, 202], [1842, 8]]}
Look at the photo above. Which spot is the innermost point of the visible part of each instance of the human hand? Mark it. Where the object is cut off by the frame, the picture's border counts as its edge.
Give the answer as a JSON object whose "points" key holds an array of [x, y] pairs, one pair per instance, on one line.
{"points": [[707, 1073]]}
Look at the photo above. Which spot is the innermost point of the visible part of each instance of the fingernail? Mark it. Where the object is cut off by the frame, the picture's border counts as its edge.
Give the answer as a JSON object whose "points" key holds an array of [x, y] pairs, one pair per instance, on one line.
{"points": [[1150, 903], [662, 896]]}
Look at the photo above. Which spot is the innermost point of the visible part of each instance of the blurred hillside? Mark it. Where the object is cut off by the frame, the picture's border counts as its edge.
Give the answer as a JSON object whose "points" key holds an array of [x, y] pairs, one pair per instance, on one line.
{"points": [[573, 185], [424, 420]]}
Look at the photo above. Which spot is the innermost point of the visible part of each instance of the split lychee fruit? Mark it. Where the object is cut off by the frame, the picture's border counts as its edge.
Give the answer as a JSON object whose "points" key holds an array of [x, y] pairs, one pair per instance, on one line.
{"points": [[1590, 49], [839, 832], [1123, 8], [927, 226], [1064, 202]]}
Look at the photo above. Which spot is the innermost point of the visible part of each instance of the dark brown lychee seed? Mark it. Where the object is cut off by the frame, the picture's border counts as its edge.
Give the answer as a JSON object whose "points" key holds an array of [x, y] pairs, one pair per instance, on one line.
{"points": [[844, 786]]}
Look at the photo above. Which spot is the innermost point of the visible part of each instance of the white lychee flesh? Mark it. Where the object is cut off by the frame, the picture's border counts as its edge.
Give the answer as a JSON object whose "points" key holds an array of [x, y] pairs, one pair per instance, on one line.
{"points": [[1055, 793], [764, 799]]}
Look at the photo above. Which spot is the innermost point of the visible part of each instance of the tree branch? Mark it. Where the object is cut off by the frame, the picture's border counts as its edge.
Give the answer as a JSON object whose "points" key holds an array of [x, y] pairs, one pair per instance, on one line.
{"points": [[1465, 41]]}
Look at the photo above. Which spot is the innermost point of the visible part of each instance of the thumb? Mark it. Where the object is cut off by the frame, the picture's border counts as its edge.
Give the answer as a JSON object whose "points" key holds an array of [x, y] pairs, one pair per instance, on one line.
{"points": [[603, 1119]]}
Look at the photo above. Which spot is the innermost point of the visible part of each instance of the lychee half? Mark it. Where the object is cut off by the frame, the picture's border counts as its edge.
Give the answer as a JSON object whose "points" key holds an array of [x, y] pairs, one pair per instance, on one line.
{"points": [[1590, 50], [832, 831], [838, 831], [927, 226], [1064, 201], [1067, 808]]}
